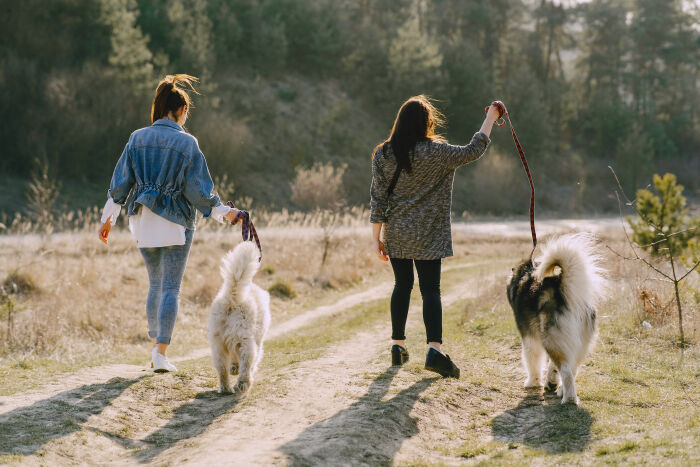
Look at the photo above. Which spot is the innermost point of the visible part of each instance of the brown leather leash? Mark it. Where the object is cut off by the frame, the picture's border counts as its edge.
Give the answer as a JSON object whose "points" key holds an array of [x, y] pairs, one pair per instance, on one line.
{"points": [[248, 231], [504, 113]]}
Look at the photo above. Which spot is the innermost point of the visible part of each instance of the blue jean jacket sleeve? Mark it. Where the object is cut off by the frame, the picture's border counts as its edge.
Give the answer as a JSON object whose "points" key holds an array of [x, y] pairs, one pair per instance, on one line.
{"points": [[199, 187], [122, 179]]}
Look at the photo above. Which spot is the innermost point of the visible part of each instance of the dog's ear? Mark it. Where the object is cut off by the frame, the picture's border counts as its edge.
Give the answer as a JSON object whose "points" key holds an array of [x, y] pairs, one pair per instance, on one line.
{"points": [[553, 271]]}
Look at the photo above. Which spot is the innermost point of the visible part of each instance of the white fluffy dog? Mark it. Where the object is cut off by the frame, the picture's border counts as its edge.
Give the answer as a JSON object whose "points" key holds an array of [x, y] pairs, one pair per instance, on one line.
{"points": [[239, 319], [554, 301]]}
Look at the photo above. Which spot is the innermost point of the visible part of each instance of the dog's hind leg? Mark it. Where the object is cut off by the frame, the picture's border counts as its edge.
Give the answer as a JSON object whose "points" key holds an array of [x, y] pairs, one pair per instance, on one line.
{"points": [[234, 360], [533, 358], [247, 356], [568, 384], [258, 358], [552, 377], [221, 361]]}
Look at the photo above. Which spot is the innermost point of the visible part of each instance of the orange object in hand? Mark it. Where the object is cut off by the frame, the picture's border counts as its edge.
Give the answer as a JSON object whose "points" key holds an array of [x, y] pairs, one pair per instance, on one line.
{"points": [[381, 251], [104, 230]]}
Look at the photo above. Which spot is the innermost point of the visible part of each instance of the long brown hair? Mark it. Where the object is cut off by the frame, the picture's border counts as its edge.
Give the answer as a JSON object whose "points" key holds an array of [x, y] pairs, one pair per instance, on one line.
{"points": [[416, 121], [169, 97]]}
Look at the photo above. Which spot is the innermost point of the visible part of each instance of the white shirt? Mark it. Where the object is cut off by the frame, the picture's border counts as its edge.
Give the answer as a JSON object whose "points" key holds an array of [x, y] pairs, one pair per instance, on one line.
{"points": [[152, 230]]}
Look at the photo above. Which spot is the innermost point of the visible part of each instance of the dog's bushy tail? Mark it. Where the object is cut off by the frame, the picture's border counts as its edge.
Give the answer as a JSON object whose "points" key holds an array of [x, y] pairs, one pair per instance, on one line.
{"points": [[238, 267], [583, 280]]}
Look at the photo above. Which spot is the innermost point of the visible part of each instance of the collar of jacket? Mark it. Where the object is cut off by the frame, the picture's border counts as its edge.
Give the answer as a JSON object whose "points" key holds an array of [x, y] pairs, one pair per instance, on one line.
{"points": [[168, 122]]}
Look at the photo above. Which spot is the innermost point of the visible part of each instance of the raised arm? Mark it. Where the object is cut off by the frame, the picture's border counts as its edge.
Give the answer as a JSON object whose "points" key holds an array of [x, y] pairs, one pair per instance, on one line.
{"points": [[491, 117], [455, 156]]}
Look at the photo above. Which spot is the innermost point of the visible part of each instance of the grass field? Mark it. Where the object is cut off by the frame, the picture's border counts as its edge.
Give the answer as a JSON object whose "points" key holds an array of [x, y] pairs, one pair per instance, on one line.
{"points": [[74, 377]]}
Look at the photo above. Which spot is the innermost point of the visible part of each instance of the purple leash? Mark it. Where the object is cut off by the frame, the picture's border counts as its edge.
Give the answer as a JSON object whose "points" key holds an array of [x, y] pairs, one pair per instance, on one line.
{"points": [[247, 228]]}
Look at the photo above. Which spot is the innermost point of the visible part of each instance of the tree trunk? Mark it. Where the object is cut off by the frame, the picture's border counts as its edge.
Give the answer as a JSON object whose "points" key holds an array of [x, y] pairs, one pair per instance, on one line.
{"points": [[678, 297]]}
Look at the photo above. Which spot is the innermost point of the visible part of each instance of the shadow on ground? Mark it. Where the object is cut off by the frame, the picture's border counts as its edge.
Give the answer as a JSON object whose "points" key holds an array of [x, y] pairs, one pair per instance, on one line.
{"points": [[370, 431], [544, 423], [189, 420], [26, 429]]}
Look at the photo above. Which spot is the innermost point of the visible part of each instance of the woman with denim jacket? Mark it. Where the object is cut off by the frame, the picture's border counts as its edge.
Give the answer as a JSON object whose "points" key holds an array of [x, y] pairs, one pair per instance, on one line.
{"points": [[163, 178]]}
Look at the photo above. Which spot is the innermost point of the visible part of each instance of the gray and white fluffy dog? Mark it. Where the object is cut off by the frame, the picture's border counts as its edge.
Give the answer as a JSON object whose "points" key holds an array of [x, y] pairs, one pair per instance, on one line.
{"points": [[238, 320], [554, 301]]}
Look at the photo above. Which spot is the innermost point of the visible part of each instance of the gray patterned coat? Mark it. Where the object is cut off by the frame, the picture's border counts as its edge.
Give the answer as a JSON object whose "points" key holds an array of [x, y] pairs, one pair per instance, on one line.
{"points": [[417, 214]]}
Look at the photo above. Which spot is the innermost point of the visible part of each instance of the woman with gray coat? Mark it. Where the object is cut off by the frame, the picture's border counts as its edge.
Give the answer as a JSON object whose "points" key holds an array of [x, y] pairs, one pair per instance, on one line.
{"points": [[411, 196]]}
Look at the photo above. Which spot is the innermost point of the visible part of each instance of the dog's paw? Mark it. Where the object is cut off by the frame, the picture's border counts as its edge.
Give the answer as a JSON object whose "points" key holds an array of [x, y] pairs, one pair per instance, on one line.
{"points": [[225, 390], [570, 400], [532, 383], [242, 386], [234, 369]]}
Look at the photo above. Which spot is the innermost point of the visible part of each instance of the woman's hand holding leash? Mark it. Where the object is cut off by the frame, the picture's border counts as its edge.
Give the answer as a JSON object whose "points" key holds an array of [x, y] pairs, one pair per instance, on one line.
{"points": [[248, 231], [104, 230], [496, 111], [493, 112], [232, 216]]}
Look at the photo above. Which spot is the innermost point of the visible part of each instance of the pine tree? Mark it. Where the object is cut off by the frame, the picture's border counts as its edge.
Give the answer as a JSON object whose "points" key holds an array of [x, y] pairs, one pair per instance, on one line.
{"points": [[130, 54]]}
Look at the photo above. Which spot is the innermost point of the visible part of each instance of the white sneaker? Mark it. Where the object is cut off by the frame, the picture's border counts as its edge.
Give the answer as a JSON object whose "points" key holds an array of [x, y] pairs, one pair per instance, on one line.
{"points": [[160, 362]]}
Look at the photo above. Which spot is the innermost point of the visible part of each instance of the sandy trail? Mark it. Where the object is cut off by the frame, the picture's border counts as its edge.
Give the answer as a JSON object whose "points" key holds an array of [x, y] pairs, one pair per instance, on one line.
{"points": [[291, 428], [319, 400], [101, 374], [105, 373]]}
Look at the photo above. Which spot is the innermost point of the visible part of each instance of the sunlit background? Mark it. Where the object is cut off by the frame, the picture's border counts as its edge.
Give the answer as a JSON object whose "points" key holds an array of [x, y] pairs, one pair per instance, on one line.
{"points": [[286, 85]]}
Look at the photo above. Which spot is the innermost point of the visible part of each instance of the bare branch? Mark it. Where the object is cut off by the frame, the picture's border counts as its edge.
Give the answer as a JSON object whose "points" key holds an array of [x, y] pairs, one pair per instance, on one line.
{"points": [[633, 205], [656, 269], [653, 243], [620, 255], [689, 271], [631, 243]]}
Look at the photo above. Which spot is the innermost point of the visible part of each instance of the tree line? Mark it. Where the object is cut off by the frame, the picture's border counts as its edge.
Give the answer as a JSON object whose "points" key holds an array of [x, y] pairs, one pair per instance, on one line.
{"points": [[288, 83]]}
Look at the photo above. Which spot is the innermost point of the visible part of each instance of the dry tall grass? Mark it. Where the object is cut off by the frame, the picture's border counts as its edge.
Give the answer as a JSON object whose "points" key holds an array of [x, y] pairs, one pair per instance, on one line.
{"points": [[90, 296], [87, 296]]}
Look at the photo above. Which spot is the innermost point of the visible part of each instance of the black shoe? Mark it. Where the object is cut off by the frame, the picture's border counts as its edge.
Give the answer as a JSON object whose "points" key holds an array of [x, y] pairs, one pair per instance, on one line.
{"points": [[441, 364], [399, 355]]}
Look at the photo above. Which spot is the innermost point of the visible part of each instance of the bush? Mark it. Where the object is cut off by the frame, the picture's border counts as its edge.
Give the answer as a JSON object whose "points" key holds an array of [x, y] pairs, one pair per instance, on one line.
{"points": [[320, 187], [17, 283], [667, 211], [282, 289]]}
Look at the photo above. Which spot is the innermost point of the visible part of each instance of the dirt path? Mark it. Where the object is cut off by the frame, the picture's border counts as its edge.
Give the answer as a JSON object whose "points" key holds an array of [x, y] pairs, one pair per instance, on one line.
{"points": [[316, 402], [102, 374], [277, 429]]}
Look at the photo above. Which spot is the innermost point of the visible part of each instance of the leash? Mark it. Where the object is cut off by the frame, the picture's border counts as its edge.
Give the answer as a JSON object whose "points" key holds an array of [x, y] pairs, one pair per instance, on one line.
{"points": [[504, 113], [248, 231]]}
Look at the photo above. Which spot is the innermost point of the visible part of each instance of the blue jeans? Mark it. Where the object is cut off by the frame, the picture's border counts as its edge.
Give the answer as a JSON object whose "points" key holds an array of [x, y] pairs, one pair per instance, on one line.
{"points": [[166, 266]]}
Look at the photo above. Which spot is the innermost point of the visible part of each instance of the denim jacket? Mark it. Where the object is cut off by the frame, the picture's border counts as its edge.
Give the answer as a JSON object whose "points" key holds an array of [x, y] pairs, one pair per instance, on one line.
{"points": [[163, 169]]}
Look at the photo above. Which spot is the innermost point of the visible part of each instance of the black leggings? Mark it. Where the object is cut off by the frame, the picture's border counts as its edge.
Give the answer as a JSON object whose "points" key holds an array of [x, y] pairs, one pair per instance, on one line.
{"points": [[429, 282]]}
